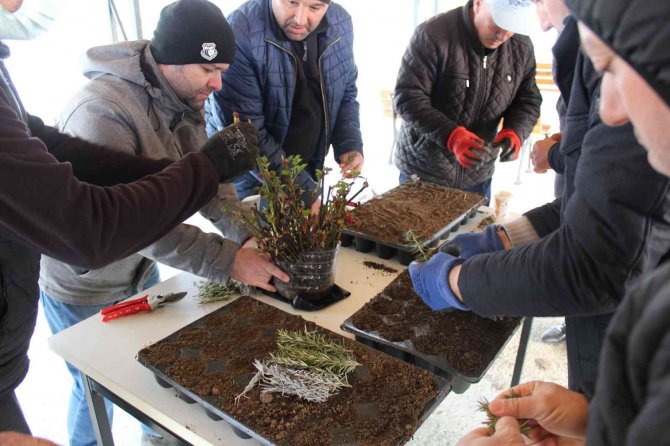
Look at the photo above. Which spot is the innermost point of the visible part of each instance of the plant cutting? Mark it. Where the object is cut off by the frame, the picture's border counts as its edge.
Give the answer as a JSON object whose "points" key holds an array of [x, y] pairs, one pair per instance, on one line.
{"points": [[306, 365], [302, 243], [492, 420]]}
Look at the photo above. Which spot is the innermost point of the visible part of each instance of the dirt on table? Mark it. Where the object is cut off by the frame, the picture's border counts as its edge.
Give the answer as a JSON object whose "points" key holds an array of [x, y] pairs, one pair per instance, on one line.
{"points": [[468, 342], [213, 357], [424, 208], [379, 267]]}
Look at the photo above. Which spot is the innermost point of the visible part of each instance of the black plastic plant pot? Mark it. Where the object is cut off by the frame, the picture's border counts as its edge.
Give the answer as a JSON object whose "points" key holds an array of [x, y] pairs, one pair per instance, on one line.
{"points": [[383, 251], [346, 240], [363, 244]]}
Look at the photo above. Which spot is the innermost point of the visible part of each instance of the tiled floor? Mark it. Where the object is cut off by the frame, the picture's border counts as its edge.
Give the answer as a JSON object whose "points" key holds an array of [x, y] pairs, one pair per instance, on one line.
{"points": [[44, 393]]}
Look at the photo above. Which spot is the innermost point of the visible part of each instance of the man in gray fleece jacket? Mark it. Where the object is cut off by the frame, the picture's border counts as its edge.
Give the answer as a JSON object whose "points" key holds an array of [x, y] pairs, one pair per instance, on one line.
{"points": [[147, 98]]}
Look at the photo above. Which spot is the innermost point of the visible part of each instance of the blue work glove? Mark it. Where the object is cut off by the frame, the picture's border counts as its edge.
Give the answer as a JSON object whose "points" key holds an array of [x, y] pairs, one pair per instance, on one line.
{"points": [[475, 243], [431, 283]]}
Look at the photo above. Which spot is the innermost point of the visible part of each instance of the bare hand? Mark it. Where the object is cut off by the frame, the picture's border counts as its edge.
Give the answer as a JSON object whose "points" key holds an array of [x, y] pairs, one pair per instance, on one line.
{"points": [[508, 433], [255, 268], [539, 155], [559, 413], [316, 207], [351, 164], [16, 439]]}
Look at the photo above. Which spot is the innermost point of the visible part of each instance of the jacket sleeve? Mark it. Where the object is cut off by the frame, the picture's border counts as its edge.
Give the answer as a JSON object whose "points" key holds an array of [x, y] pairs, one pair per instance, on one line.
{"points": [[524, 110], [186, 247], [92, 163], [412, 100], [555, 158], [347, 130], [611, 231], [546, 218], [44, 204], [242, 92]]}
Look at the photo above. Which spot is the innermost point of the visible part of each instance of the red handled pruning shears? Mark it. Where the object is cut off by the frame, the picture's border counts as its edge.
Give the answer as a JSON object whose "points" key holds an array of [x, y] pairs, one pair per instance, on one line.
{"points": [[144, 303]]}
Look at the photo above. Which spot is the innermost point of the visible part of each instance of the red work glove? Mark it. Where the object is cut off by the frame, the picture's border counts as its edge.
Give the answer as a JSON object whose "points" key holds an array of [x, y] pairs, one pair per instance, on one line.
{"points": [[463, 143], [510, 143]]}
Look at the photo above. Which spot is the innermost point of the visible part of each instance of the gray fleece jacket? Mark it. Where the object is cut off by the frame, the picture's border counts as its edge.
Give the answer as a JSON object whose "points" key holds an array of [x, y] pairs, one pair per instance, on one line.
{"points": [[129, 106]]}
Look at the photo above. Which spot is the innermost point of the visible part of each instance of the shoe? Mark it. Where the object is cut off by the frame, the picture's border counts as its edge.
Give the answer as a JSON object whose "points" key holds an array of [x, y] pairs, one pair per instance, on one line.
{"points": [[554, 335]]}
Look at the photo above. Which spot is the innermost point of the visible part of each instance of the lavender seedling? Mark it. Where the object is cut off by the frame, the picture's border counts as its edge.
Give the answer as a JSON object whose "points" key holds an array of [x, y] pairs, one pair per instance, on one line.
{"points": [[217, 292]]}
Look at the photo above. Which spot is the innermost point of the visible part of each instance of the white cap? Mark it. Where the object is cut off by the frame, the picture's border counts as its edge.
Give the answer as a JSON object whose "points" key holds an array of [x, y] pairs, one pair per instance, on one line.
{"points": [[517, 16]]}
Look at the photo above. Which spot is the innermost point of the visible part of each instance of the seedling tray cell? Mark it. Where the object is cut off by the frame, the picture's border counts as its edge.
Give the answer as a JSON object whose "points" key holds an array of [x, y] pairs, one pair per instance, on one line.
{"points": [[429, 210], [458, 346], [209, 362]]}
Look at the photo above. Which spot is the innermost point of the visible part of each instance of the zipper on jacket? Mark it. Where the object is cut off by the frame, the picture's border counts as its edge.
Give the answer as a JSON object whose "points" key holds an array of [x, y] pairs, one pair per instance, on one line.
{"points": [[295, 62], [323, 97], [477, 109]]}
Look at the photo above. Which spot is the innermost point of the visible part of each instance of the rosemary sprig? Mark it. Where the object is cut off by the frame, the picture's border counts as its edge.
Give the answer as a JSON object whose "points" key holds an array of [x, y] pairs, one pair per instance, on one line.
{"points": [[492, 420], [217, 292], [424, 253], [307, 365]]}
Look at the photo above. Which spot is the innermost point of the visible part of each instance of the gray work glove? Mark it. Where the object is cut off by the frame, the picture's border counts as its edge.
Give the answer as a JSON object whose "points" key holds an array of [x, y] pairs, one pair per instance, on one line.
{"points": [[233, 150]]}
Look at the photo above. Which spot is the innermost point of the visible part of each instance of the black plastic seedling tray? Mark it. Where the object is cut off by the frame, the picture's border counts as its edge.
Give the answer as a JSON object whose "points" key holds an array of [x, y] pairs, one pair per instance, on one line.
{"points": [[406, 252], [215, 413], [436, 364]]}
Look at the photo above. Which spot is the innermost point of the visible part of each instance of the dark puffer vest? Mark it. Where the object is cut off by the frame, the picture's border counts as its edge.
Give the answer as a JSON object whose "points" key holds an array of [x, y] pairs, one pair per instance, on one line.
{"points": [[447, 79]]}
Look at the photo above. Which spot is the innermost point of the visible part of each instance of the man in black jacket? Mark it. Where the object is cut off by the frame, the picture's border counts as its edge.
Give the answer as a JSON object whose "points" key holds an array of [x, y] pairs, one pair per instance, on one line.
{"points": [[574, 257], [463, 72], [46, 206], [633, 392]]}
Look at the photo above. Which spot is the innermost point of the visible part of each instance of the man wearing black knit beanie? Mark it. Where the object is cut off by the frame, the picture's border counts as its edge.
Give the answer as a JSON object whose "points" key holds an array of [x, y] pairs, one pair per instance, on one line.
{"points": [[295, 78], [146, 98]]}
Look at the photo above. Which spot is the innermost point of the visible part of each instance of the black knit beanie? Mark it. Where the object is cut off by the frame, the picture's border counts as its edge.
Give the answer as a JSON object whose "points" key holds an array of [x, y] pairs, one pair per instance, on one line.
{"points": [[637, 30], [193, 31]]}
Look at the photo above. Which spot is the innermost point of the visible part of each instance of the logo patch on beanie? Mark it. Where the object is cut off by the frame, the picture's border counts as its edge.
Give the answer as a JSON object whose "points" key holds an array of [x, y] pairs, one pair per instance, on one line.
{"points": [[209, 51]]}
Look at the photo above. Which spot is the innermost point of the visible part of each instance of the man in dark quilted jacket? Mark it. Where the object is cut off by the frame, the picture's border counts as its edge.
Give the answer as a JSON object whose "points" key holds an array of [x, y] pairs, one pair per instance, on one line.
{"points": [[295, 77], [464, 72]]}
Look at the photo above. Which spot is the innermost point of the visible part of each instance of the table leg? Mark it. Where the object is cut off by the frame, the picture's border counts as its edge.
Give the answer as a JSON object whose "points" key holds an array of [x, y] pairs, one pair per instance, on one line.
{"points": [[521, 351], [96, 407]]}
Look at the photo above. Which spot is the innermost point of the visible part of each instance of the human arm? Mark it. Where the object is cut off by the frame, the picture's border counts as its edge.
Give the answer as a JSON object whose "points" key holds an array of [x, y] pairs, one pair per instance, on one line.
{"points": [[522, 113], [90, 162], [581, 268], [45, 205], [351, 163], [347, 127], [416, 79]]}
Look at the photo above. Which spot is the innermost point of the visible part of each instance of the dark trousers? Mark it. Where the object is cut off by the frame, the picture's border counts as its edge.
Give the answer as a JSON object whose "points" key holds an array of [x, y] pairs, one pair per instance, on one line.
{"points": [[584, 337], [11, 415]]}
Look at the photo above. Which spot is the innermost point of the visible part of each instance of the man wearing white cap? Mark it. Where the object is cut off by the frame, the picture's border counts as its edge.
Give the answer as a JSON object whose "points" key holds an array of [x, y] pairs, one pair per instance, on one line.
{"points": [[463, 72]]}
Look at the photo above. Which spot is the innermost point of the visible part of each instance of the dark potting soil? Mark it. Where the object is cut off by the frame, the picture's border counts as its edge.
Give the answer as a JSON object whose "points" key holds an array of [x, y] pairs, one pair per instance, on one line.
{"points": [[424, 208], [469, 342], [380, 267], [213, 358]]}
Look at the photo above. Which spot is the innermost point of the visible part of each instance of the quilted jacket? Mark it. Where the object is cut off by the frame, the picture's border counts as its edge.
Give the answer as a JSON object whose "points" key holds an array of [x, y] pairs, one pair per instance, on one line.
{"points": [[447, 79], [261, 83]]}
